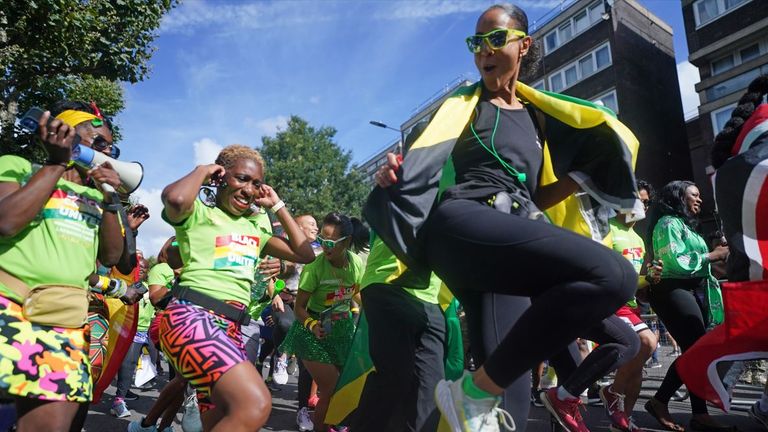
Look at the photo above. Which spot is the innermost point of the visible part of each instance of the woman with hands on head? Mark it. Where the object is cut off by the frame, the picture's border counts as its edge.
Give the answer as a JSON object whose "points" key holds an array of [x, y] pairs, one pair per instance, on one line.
{"points": [[52, 214], [219, 246]]}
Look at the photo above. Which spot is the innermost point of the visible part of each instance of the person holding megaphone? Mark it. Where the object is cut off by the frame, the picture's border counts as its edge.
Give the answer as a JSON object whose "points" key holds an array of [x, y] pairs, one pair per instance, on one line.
{"points": [[55, 223]]}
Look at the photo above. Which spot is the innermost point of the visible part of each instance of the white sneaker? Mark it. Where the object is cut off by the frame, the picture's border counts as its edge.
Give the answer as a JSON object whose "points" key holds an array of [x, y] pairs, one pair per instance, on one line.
{"points": [[303, 420], [135, 426], [293, 366], [465, 414], [280, 375], [120, 410]]}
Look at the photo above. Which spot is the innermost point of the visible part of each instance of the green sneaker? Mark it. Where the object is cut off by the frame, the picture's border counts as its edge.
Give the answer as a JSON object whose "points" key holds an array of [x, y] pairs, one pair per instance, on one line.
{"points": [[465, 414]]}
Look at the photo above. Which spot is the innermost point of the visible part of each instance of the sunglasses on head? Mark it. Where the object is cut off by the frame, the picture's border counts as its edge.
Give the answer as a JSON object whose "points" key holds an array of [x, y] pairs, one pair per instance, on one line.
{"points": [[330, 244], [496, 39]]}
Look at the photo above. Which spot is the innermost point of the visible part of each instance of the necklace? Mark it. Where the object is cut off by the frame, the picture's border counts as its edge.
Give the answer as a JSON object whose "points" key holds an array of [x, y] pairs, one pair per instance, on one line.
{"points": [[510, 169]]}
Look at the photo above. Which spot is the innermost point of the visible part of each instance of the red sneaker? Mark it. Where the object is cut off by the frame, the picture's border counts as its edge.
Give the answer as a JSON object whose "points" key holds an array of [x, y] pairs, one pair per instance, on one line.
{"points": [[565, 412], [614, 407]]}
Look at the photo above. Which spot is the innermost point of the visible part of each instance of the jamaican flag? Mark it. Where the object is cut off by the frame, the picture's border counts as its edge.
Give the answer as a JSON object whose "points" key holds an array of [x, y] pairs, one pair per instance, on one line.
{"points": [[582, 140]]}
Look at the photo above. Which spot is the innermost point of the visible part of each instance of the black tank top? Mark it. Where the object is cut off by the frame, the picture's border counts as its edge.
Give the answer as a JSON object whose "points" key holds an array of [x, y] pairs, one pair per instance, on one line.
{"points": [[478, 173]]}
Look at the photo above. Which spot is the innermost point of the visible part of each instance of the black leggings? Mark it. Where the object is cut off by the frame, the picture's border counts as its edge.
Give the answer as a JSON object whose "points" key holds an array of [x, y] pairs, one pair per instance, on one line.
{"points": [[573, 281], [676, 305]]}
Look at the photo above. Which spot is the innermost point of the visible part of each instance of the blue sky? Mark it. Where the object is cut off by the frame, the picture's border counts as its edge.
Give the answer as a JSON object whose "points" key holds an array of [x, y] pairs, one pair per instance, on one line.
{"points": [[231, 72]]}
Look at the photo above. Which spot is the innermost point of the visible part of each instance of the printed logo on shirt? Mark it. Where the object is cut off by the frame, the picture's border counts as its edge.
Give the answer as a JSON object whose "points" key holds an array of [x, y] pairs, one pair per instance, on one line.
{"points": [[74, 216], [342, 293], [635, 256], [235, 250]]}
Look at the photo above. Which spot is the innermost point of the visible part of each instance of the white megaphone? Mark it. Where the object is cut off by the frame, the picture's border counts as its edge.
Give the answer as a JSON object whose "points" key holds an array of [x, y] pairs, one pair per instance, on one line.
{"points": [[131, 173]]}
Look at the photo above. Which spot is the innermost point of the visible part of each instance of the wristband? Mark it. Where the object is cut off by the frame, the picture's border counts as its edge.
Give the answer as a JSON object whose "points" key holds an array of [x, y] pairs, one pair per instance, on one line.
{"points": [[66, 165], [102, 284], [278, 205], [355, 310], [312, 325], [117, 288], [306, 321], [111, 207]]}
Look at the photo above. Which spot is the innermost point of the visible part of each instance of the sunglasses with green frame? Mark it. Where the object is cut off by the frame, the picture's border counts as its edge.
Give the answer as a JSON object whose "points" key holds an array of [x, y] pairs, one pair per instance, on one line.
{"points": [[496, 39]]}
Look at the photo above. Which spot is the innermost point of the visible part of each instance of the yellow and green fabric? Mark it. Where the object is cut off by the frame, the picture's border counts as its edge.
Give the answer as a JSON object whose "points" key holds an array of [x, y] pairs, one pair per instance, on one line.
{"points": [[582, 140]]}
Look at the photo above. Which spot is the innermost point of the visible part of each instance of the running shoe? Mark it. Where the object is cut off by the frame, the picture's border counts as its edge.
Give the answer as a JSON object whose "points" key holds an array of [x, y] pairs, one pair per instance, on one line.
{"points": [[756, 414], [135, 426], [593, 395], [130, 396], [465, 414], [293, 366], [614, 407], [633, 427], [312, 401], [304, 421], [536, 398], [653, 364], [566, 412], [679, 396], [120, 410], [280, 375]]}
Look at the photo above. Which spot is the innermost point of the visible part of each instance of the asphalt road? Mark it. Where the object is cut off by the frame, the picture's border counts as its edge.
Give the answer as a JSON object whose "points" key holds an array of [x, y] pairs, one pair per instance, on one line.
{"points": [[284, 408]]}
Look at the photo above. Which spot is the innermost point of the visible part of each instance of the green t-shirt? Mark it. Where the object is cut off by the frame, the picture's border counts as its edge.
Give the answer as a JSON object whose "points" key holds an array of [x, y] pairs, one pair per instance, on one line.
{"points": [[146, 313], [260, 283], [630, 245], [681, 250], [161, 274], [219, 252], [382, 266], [329, 285], [60, 245]]}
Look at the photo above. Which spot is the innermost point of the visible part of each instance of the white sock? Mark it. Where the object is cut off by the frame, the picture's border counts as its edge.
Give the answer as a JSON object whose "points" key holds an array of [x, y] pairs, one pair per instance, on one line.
{"points": [[762, 404], [563, 394]]}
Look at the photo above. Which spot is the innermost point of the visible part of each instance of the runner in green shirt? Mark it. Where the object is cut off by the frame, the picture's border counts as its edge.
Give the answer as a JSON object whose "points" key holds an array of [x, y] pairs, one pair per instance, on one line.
{"points": [[219, 246], [322, 333], [53, 228]]}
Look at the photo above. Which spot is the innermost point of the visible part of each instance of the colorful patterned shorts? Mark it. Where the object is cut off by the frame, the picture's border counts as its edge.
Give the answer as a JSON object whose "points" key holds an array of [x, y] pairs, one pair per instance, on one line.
{"points": [[200, 345], [42, 362]]}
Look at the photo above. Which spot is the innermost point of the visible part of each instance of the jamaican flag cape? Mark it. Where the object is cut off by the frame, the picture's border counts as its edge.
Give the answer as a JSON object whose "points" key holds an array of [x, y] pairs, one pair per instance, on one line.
{"points": [[582, 140]]}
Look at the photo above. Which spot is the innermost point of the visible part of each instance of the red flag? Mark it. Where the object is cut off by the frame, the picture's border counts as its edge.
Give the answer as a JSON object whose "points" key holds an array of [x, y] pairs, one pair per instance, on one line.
{"points": [[743, 336]]}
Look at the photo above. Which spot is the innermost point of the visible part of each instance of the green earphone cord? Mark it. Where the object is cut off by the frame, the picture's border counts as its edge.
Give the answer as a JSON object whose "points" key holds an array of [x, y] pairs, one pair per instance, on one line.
{"points": [[521, 177]]}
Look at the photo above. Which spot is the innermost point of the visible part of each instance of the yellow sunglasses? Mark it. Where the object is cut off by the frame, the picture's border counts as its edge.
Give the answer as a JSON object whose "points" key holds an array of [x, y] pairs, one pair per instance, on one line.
{"points": [[496, 39]]}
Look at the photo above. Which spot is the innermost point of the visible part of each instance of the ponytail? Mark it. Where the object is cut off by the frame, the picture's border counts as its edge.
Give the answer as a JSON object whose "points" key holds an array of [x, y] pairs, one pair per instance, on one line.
{"points": [[351, 227], [724, 141]]}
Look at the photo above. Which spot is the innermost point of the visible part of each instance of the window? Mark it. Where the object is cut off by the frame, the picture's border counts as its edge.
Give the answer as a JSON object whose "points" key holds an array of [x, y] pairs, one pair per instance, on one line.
{"points": [[722, 65], [706, 11], [574, 25], [603, 56], [538, 85], [556, 82], [580, 22], [551, 42], [596, 12], [570, 74], [720, 117], [609, 100], [586, 66], [735, 84], [739, 56], [750, 52]]}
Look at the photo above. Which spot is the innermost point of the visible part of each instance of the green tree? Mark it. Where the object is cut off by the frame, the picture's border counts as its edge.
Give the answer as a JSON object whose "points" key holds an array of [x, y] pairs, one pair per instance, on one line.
{"points": [[52, 49], [311, 173]]}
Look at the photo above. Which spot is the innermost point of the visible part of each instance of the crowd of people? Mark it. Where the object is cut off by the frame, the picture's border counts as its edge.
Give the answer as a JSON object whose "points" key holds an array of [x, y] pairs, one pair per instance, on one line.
{"points": [[540, 257]]}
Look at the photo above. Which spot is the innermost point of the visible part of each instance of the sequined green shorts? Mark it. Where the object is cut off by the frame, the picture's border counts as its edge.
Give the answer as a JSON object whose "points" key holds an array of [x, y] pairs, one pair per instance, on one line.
{"points": [[332, 349]]}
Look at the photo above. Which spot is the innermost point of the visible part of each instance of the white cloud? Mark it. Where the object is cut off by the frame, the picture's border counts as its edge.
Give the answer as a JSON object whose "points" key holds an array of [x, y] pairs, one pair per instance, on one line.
{"points": [[206, 151], [154, 231], [200, 76], [268, 126], [189, 15], [688, 77]]}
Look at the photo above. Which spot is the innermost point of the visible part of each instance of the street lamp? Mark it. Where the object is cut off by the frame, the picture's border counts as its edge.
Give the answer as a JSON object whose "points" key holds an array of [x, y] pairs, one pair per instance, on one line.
{"points": [[386, 126], [382, 125]]}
